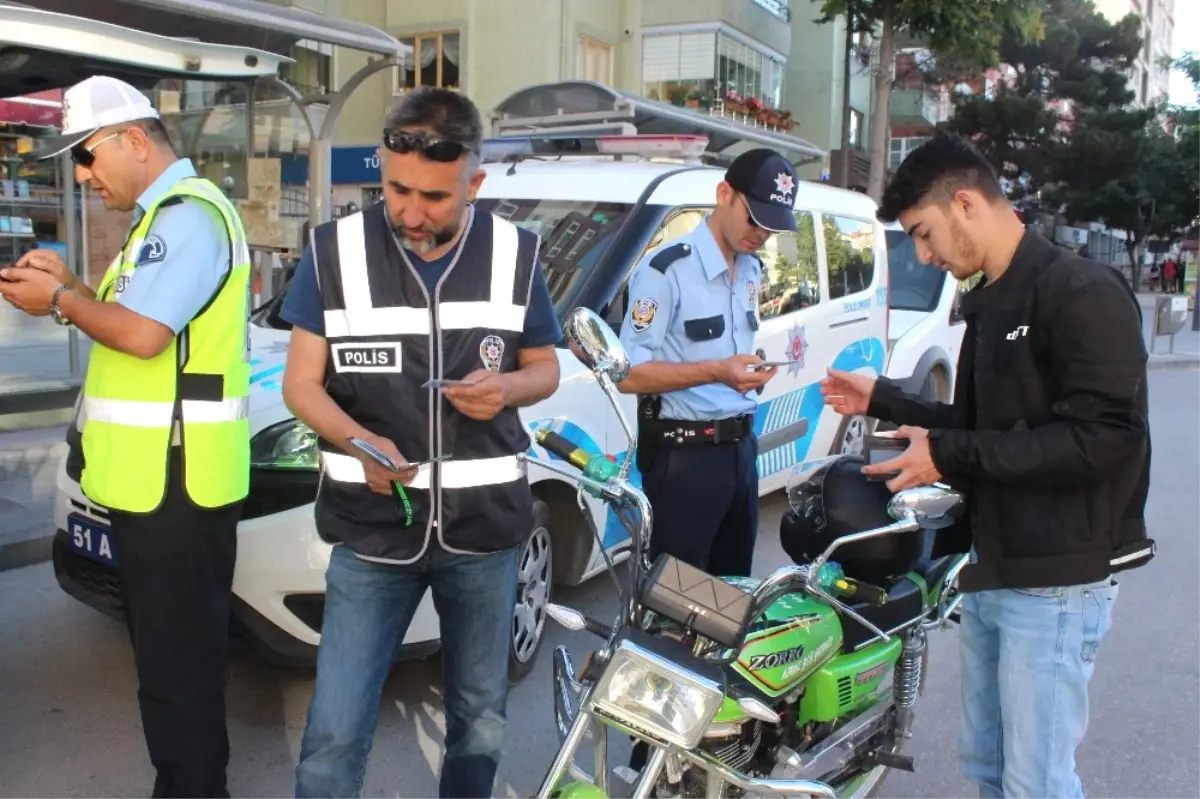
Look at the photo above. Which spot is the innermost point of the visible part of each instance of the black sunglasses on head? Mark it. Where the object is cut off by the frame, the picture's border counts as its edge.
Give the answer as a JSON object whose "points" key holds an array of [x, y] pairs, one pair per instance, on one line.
{"points": [[441, 150]]}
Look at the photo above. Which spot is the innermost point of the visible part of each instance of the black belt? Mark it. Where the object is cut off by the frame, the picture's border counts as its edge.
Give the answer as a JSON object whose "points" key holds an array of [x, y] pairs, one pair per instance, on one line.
{"points": [[675, 432]]}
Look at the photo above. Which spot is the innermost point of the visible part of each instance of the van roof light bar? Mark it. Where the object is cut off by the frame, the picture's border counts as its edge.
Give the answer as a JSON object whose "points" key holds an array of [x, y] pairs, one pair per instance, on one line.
{"points": [[514, 148]]}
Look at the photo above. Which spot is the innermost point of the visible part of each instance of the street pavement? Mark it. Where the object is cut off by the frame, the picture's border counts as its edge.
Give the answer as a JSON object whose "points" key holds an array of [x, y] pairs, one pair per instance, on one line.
{"points": [[69, 724]]}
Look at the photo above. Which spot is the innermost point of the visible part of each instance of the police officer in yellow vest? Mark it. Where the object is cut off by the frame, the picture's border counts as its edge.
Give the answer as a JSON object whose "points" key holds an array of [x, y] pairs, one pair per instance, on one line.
{"points": [[165, 430]]}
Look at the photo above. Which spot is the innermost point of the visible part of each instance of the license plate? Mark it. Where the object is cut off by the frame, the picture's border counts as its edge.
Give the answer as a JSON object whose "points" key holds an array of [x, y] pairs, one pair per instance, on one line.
{"points": [[90, 539]]}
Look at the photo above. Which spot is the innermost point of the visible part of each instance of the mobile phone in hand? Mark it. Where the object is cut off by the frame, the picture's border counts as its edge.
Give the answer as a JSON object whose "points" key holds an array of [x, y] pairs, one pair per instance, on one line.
{"points": [[438, 382], [377, 455]]}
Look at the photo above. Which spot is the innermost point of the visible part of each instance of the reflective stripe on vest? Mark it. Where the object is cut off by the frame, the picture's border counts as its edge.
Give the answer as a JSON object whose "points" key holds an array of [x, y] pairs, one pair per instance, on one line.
{"points": [[455, 474], [360, 318], [129, 404]]}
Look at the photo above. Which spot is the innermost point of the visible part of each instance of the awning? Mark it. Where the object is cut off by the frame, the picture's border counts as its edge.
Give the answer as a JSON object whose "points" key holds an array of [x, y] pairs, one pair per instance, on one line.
{"points": [[576, 103], [245, 23], [42, 50]]}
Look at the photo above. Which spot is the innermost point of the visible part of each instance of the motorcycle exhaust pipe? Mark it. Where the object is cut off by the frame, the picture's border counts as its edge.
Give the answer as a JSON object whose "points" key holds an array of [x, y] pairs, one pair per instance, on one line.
{"points": [[566, 690]]}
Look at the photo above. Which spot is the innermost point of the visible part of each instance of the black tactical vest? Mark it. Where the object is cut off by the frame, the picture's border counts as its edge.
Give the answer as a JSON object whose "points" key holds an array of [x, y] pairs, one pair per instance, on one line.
{"points": [[386, 339]]}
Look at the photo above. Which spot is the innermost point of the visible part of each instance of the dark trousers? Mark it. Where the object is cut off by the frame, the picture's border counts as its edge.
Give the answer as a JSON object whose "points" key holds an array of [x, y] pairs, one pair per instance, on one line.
{"points": [[705, 501], [177, 570]]}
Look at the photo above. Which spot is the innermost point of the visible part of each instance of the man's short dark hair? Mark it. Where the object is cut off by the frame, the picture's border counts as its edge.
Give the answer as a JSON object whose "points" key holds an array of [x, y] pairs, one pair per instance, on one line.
{"points": [[154, 129], [447, 113], [943, 165]]}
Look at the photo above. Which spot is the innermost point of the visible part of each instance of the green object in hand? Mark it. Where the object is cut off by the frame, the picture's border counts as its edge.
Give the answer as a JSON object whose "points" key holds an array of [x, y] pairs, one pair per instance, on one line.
{"points": [[403, 501]]}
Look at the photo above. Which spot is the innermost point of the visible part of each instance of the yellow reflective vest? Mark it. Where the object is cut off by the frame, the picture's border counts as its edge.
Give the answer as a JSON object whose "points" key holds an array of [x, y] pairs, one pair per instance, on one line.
{"points": [[199, 384]]}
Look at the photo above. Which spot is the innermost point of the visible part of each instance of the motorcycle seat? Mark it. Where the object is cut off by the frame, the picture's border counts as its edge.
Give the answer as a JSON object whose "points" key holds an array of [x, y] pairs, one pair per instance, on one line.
{"points": [[905, 603], [934, 569]]}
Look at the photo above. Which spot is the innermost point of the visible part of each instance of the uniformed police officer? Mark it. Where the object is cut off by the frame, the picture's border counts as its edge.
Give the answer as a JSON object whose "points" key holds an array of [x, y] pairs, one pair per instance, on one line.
{"points": [[689, 331], [165, 433]]}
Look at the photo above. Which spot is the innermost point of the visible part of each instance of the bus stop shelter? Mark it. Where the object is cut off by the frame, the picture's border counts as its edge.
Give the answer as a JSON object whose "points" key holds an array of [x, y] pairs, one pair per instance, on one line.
{"points": [[49, 45], [144, 41]]}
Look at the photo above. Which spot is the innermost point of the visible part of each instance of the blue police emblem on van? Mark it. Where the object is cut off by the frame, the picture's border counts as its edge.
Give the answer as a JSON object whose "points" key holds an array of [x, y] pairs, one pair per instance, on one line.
{"points": [[796, 349]]}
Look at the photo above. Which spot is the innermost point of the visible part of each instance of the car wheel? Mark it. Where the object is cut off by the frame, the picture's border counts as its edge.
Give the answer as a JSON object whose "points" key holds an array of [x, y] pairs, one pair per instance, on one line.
{"points": [[850, 436], [936, 387], [535, 573]]}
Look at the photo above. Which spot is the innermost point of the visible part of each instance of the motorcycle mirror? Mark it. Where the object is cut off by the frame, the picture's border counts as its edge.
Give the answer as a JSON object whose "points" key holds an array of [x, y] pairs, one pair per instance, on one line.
{"points": [[566, 617], [595, 344], [932, 507]]}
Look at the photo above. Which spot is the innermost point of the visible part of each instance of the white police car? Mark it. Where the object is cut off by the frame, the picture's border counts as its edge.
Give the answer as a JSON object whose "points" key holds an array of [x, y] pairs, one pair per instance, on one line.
{"points": [[925, 330], [822, 301]]}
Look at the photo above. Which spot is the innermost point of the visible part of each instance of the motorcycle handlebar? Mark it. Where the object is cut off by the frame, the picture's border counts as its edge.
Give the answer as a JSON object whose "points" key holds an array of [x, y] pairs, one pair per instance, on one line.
{"points": [[555, 444]]}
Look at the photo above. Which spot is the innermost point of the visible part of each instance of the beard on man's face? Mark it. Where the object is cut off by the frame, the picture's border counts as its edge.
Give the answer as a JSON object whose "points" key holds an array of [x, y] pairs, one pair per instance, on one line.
{"points": [[426, 238]]}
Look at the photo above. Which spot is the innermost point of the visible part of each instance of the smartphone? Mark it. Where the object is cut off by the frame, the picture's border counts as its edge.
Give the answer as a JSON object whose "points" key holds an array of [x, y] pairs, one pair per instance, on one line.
{"points": [[376, 454], [880, 447], [758, 367], [438, 382], [438, 459]]}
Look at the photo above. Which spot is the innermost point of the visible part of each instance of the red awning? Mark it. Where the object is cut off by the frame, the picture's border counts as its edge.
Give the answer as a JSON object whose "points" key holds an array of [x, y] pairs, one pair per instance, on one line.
{"points": [[42, 108]]}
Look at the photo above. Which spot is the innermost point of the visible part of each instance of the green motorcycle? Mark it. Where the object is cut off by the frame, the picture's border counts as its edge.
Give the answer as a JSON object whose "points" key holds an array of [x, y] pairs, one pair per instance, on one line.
{"points": [[799, 684]]}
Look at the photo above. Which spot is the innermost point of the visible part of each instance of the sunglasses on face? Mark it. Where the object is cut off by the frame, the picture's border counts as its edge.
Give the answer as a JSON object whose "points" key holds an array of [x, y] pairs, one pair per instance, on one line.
{"points": [[749, 215], [86, 156], [441, 150]]}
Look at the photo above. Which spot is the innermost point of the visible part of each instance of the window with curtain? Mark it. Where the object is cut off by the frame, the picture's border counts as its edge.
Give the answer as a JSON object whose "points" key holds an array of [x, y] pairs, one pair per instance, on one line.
{"points": [[594, 60], [679, 68], [430, 59]]}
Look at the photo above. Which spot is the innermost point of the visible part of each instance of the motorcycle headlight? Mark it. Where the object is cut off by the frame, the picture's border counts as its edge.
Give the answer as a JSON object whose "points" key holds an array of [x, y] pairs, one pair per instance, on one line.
{"points": [[653, 695], [287, 445]]}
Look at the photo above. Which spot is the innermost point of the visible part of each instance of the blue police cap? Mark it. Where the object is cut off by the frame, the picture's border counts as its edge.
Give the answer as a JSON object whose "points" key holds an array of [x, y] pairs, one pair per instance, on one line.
{"points": [[768, 182]]}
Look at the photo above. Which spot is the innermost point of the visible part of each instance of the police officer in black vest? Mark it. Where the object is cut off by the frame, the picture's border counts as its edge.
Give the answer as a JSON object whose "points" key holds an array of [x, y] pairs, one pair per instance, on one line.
{"points": [[420, 287]]}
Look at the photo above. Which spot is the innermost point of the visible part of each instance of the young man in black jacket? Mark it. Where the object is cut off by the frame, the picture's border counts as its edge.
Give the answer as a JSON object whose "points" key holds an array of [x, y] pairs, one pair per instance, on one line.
{"points": [[1048, 434]]}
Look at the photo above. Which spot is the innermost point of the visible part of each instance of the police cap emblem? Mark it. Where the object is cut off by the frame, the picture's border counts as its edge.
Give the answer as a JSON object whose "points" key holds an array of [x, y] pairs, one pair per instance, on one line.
{"points": [[491, 352]]}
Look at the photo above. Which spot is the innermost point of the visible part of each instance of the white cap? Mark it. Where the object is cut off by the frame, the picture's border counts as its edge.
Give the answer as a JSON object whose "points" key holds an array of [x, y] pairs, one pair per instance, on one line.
{"points": [[96, 103]]}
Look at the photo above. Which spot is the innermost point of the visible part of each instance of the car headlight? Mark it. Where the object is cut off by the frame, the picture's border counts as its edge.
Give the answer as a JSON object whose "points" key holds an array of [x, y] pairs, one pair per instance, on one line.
{"points": [[287, 445], [653, 695]]}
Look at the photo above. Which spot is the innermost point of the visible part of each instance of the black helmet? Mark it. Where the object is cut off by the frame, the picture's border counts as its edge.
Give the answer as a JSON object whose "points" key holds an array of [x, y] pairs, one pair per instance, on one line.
{"points": [[831, 498]]}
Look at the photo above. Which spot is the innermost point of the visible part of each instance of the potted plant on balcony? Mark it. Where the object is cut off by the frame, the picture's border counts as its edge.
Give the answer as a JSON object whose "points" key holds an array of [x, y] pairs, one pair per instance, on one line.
{"points": [[734, 104], [693, 99]]}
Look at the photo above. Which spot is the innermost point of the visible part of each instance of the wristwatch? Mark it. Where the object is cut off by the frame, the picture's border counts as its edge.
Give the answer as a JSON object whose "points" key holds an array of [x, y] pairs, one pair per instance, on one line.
{"points": [[55, 312]]}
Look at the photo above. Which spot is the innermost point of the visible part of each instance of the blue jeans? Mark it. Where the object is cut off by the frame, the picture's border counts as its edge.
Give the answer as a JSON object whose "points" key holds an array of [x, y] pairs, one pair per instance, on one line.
{"points": [[1027, 657], [368, 607]]}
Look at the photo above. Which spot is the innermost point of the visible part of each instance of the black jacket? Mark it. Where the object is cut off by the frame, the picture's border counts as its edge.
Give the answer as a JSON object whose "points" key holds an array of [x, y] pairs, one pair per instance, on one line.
{"points": [[1048, 432]]}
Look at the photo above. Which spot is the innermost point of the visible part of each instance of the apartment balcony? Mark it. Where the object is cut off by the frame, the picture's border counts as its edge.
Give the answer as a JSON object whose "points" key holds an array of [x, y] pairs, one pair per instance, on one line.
{"points": [[919, 108], [762, 21]]}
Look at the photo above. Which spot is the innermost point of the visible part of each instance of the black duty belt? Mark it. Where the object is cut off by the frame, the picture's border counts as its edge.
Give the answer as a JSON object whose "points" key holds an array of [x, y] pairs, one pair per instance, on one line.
{"points": [[675, 433]]}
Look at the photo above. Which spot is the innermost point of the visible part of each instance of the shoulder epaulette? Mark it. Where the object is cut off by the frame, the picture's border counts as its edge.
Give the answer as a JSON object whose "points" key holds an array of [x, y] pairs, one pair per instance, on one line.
{"points": [[669, 255]]}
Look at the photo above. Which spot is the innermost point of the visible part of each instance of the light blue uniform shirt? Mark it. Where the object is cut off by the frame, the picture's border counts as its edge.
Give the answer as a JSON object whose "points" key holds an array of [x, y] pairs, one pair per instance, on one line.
{"points": [[184, 258], [691, 311]]}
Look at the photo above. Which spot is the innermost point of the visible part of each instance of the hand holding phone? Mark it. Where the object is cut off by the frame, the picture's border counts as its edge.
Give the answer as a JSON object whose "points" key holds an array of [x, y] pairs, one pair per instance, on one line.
{"points": [[439, 383], [383, 464]]}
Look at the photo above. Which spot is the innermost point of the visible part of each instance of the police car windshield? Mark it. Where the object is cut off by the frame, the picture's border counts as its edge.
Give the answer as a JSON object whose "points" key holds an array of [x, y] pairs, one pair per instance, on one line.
{"points": [[913, 286], [575, 235]]}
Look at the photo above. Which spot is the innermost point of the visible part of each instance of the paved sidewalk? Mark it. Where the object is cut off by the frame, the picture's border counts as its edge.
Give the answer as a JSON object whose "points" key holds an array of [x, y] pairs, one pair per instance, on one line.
{"points": [[28, 463], [1187, 341]]}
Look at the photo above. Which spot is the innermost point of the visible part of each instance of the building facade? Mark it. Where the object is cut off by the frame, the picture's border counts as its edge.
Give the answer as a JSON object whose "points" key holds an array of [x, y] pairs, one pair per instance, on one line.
{"points": [[1149, 78]]}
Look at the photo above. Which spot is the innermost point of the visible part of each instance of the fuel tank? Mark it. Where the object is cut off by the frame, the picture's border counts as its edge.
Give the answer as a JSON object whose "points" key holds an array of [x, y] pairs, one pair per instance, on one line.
{"points": [[795, 637]]}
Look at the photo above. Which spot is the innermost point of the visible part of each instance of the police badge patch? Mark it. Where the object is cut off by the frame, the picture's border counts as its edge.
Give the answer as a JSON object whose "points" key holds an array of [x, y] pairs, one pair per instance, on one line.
{"points": [[491, 352], [641, 316]]}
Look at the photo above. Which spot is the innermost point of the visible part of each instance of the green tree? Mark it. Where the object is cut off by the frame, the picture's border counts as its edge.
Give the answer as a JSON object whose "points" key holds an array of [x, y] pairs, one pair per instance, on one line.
{"points": [[1185, 122], [1081, 61], [970, 32], [1121, 167]]}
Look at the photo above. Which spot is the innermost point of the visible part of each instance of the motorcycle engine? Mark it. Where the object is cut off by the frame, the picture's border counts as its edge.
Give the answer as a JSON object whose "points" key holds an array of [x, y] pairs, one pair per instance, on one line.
{"points": [[737, 751]]}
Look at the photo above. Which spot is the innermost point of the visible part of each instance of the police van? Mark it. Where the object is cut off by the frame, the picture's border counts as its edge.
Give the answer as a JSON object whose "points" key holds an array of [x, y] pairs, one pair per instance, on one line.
{"points": [[925, 329], [598, 205]]}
